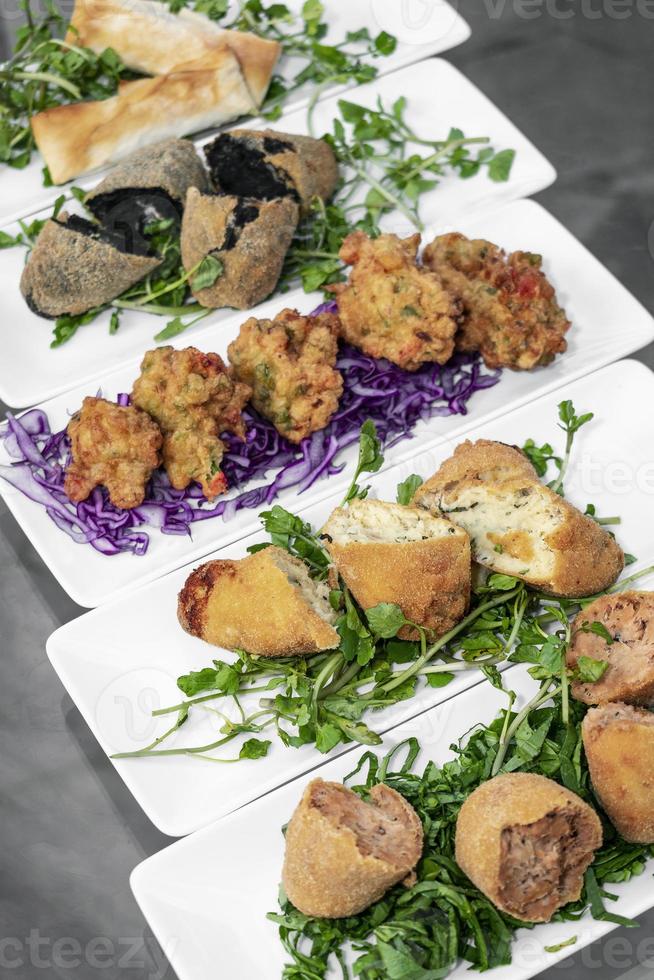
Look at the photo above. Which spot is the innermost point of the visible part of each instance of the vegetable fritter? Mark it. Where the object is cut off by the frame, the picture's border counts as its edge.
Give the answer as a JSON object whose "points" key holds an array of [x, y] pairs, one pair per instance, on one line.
{"points": [[289, 363], [194, 399], [393, 308], [510, 311], [112, 446]]}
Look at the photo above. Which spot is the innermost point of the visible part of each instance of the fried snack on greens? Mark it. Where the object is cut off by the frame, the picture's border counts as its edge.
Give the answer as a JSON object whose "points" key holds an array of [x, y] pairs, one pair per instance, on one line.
{"points": [[510, 311], [616, 632], [390, 306], [343, 853], [194, 399], [290, 365], [112, 446], [266, 604], [526, 842]]}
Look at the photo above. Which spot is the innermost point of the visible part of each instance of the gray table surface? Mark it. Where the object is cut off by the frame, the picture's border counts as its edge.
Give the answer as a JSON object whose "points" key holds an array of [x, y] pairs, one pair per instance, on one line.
{"points": [[580, 88]]}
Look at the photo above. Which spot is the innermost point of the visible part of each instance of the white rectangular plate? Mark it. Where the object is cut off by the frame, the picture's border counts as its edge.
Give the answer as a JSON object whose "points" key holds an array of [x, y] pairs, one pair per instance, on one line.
{"points": [[31, 372], [206, 897], [595, 301], [120, 662], [420, 34]]}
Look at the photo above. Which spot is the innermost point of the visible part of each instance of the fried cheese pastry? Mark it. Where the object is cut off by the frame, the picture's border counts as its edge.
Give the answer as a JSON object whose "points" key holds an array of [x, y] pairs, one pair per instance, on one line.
{"points": [[343, 853], [619, 745], [391, 307], [290, 365], [193, 399], [519, 527], [390, 553], [112, 446], [265, 604], [629, 619], [510, 310], [526, 842]]}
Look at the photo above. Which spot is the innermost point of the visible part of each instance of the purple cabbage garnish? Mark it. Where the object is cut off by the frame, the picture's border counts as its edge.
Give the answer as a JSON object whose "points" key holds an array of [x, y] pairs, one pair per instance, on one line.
{"points": [[396, 400]]}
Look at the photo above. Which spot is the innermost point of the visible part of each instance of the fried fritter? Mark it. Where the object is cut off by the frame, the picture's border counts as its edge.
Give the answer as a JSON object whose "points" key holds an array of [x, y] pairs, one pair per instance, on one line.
{"points": [[619, 746], [510, 311], [289, 363], [628, 617], [194, 399], [265, 604], [526, 842], [519, 527], [391, 553], [343, 853], [112, 446], [391, 307]]}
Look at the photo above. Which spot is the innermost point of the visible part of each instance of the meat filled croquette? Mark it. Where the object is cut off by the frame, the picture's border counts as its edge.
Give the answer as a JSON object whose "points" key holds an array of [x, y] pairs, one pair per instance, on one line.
{"points": [[519, 527], [290, 365], [619, 746], [247, 238], [526, 842], [510, 310], [76, 266], [628, 619], [391, 307], [194, 399], [112, 446], [390, 553], [266, 604], [343, 853], [265, 164]]}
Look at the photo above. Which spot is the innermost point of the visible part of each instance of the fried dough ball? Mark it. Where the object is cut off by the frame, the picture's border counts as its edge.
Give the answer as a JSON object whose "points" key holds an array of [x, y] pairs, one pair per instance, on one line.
{"points": [[619, 745], [629, 619], [510, 311], [519, 527], [391, 307], [390, 553], [342, 853], [526, 842], [265, 604], [194, 399], [112, 446], [289, 363]]}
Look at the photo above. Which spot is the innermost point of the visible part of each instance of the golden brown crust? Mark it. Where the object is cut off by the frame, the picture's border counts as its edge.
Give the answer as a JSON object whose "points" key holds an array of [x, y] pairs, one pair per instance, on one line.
{"points": [[619, 745], [331, 872], [217, 602], [68, 272], [81, 136], [482, 460], [629, 619], [252, 262], [429, 580], [588, 560], [521, 801], [149, 38]]}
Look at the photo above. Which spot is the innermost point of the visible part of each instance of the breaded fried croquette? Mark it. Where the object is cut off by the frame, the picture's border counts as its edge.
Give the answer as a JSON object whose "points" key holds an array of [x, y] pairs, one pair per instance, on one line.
{"points": [[390, 553], [519, 527], [526, 842], [510, 310], [113, 446], [628, 617], [289, 363], [265, 604], [194, 399], [619, 746], [391, 307], [343, 853]]}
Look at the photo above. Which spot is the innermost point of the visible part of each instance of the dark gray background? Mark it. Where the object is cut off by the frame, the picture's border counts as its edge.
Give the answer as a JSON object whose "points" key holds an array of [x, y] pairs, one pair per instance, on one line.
{"points": [[581, 89]]}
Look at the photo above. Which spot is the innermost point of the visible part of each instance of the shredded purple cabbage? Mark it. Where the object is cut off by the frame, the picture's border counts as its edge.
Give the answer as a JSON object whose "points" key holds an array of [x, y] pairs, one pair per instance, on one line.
{"points": [[396, 400]]}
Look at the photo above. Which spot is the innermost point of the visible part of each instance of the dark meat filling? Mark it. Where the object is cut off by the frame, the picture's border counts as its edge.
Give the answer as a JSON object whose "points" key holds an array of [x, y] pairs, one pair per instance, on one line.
{"points": [[541, 863], [119, 238], [129, 210], [239, 168]]}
